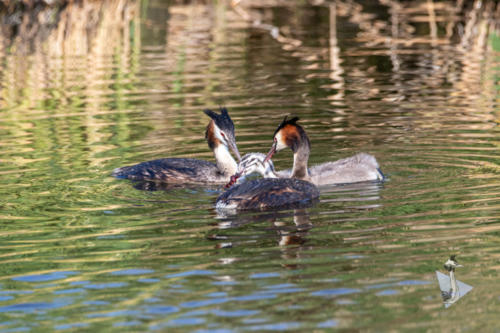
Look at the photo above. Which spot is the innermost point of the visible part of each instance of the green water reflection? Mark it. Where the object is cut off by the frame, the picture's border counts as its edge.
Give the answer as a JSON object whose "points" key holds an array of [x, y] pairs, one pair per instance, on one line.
{"points": [[417, 86]]}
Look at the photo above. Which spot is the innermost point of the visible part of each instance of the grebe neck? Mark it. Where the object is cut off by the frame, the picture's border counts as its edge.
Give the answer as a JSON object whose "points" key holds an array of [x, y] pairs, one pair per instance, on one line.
{"points": [[453, 282], [300, 158], [269, 174], [225, 162]]}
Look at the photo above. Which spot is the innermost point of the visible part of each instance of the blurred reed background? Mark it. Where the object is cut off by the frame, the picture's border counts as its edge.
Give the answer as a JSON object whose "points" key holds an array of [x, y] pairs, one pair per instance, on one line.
{"points": [[83, 56], [38, 35], [87, 86]]}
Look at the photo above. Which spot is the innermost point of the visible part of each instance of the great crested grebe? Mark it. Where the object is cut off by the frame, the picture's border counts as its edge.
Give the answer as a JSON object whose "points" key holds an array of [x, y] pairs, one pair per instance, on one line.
{"points": [[451, 288], [358, 168], [254, 162], [268, 193], [452, 294], [220, 138]]}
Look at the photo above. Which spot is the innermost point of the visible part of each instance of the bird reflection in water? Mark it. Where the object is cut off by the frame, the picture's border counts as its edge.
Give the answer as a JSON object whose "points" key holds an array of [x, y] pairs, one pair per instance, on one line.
{"points": [[287, 234], [152, 186], [451, 288]]}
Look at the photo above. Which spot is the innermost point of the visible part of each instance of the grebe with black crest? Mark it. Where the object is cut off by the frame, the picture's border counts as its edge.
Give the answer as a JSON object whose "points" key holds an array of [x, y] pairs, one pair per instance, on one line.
{"points": [[220, 137], [358, 168]]}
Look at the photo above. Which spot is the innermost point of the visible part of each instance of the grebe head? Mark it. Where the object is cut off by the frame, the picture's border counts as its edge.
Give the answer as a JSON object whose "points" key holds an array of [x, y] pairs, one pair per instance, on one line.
{"points": [[250, 163], [255, 162], [221, 131], [451, 264], [288, 134]]}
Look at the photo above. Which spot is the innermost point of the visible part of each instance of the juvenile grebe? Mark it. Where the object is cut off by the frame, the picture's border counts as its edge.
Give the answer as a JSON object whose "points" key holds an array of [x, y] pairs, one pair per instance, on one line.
{"points": [[267, 193], [220, 137], [357, 168], [250, 163]]}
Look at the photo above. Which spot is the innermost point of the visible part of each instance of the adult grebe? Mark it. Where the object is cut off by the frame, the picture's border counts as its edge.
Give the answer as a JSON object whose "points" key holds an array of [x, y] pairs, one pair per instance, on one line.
{"points": [[357, 168], [451, 288], [452, 295], [220, 137], [268, 193]]}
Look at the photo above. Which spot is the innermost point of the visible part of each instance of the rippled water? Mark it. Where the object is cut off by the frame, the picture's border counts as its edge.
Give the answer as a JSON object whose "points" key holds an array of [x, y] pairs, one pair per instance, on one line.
{"points": [[80, 250]]}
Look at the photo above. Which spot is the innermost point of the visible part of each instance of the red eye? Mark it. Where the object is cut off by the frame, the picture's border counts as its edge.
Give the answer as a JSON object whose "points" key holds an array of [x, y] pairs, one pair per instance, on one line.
{"points": [[275, 139], [221, 133]]}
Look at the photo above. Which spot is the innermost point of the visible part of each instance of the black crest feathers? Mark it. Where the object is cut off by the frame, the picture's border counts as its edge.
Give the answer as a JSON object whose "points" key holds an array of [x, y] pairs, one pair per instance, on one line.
{"points": [[285, 122], [222, 120]]}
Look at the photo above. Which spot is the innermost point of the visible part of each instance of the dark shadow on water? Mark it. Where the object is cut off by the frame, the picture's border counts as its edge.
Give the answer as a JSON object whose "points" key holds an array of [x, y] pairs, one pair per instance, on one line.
{"points": [[288, 233], [152, 186], [236, 221], [162, 186], [290, 226]]}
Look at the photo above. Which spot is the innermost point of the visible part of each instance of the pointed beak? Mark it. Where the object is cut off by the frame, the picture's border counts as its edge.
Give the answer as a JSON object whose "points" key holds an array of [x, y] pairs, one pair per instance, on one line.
{"points": [[271, 153], [234, 148]]}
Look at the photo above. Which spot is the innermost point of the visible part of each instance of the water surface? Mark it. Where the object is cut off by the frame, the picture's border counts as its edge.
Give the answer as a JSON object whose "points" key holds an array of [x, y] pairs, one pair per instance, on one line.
{"points": [[80, 250]]}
